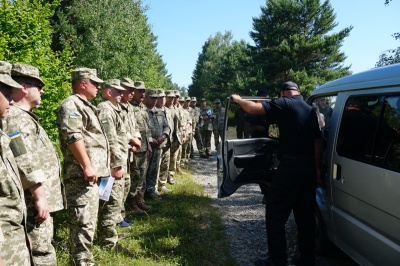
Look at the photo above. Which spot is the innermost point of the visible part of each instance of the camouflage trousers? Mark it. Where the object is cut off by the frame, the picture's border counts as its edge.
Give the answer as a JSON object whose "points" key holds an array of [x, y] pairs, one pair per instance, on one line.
{"points": [[186, 147], [206, 138], [153, 170], [14, 245], [164, 166], [138, 169], [217, 136], [83, 206], [41, 236], [110, 215], [126, 188], [199, 142], [174, 150]]}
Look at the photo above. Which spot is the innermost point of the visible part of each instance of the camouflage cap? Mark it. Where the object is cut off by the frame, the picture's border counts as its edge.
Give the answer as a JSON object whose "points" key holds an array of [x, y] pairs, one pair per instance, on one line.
{"points": [[193, 99], [139, 85], [217, 101], [22, 70], [127, 82], [182, 99], [187, 99], [161, 92], [113, 83], [152, 93], [170, 93], [5, 75], [85, 73], [202, 100], [177, 93]]}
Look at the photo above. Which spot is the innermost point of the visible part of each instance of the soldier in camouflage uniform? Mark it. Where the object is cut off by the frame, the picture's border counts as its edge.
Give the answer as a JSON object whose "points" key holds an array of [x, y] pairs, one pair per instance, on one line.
{"points": [[132, 131], [206, 126], [86, 159], [218, 122], [139, 167], [37, 160], [159, 132], [197, 131], [114, 127], [170, 101], [183, 116], [14, 243], [178, 138], [189, 131], [166, 145]]}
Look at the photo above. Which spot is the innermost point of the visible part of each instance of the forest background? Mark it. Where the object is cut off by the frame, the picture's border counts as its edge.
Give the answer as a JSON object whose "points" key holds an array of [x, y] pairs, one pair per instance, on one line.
{"points": [[294, 40]]}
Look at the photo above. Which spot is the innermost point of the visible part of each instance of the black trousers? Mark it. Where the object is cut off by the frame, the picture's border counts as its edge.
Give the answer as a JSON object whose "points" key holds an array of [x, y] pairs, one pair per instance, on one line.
{"points": [[293, 188]]}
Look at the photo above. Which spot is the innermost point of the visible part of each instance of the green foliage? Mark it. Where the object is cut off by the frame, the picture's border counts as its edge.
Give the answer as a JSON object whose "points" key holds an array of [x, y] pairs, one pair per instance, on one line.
{"points": [[181, 229], [25, 37], [391, 56], [223, 68], [294, 40], [114, 37]]}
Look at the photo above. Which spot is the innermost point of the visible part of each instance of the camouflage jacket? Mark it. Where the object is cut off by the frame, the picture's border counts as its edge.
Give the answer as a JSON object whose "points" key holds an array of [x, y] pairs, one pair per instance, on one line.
{"points": [[13, 236], [35, 155], [132, 128], [77, 120], [158, 124], [206, 124], [114, 128], [175, 134], [218, 118], [171, 124], [142, 119], [187, 120]]}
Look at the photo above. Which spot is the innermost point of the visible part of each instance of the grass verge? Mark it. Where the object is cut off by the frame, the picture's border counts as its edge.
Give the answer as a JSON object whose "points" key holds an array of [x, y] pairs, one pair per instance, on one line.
{"points": [[181, 229]]}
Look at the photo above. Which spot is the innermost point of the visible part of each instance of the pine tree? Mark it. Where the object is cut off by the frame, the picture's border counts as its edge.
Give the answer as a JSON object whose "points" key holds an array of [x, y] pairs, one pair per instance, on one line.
{"points": [[294, 40]]}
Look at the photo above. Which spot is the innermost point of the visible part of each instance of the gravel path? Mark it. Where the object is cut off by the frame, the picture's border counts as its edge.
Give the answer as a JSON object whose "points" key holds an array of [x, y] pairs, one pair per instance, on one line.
{"points": [[244, 217]]}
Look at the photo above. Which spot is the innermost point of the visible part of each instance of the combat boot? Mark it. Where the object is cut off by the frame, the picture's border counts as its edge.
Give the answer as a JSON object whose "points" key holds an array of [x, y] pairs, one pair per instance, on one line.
{"points": [[140, 202], [135, 207]]}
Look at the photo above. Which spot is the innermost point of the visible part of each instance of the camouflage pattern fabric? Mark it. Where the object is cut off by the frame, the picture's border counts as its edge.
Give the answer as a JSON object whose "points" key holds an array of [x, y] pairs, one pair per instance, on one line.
{"points": [[189, 130], [37, 162], [110, 211], [165, 154], [132, 130], [218, 124], [206, 128], [159, 126], [14, 247], [139, 165], [77, 120], [195, 112]]}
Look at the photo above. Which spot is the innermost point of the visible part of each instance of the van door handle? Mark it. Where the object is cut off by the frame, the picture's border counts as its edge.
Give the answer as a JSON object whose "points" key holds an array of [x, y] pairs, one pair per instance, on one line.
{"points": [[337, 171]]}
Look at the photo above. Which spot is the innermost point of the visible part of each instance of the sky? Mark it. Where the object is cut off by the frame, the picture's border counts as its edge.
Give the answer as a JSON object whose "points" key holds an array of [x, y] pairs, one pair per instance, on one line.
{"points": [[183, 26]]}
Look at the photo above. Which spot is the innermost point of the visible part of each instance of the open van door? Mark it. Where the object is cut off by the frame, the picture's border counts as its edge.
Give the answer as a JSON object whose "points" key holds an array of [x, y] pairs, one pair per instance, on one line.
{"points": [[245, 156]]}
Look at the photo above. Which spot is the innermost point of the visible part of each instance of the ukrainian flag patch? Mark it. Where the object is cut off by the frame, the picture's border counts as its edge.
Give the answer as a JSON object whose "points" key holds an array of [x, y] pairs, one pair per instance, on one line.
{"points": [[103, 121], [73, 115], [15, 135]]}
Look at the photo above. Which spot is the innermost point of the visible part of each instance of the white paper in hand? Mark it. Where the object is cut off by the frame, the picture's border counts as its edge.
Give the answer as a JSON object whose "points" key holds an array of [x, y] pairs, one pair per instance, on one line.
{"points": [[105, 186]]}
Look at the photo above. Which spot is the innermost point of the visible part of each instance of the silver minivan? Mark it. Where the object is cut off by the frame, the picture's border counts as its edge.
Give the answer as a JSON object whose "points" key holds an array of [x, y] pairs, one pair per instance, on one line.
{"points": [[359, 202]]}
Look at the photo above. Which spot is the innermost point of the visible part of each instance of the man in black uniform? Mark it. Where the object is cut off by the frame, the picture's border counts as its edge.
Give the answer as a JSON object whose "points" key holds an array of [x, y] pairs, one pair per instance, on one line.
{"points": [[293, 186]]}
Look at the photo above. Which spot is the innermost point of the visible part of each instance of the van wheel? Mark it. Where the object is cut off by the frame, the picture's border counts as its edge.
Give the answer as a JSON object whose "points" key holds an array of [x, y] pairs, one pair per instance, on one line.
{"points": [[321, 239]]}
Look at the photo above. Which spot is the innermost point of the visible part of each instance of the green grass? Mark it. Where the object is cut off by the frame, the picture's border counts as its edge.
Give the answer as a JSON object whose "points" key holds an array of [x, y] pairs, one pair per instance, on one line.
{"points": [[181, 229]]}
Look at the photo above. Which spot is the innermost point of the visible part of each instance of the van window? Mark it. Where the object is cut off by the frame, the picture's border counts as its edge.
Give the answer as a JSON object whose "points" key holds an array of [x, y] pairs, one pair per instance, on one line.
{"points": [[369, 130]]}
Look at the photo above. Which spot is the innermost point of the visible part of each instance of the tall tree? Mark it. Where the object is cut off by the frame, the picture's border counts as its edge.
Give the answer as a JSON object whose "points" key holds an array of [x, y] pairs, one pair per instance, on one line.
{"points": [[112, 36], [25, 37], [294, 40], [221, 68]]}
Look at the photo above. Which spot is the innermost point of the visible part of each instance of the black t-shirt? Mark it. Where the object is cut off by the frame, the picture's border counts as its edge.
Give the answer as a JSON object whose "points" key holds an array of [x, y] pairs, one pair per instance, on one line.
{"points": [[298, 125]]}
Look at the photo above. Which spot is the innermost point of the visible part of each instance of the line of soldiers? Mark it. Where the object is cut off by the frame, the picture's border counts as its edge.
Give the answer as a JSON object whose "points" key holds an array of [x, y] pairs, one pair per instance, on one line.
{"points": [[140, 137]]}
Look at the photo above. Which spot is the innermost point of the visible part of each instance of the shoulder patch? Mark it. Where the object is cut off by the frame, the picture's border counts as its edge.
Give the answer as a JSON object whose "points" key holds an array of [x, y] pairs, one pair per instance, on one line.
{"points": [[73, 115], [15, 135], [104, 120]]}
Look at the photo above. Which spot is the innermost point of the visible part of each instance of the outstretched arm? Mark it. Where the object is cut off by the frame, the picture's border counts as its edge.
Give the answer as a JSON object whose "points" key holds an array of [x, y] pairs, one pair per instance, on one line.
{"points": [[249, 106]]}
